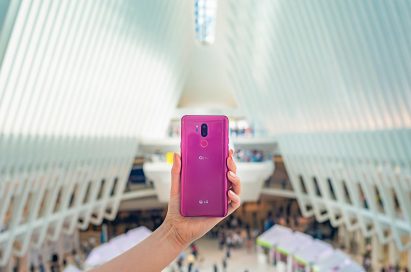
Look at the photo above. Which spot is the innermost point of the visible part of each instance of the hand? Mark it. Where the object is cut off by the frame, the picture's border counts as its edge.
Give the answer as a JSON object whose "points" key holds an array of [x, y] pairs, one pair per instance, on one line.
{"points": [[176, 232], [188, 229]]}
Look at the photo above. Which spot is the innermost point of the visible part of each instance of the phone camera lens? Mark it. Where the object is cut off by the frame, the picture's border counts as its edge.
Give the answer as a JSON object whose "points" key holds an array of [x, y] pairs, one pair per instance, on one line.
{"points": [[204, 130]]}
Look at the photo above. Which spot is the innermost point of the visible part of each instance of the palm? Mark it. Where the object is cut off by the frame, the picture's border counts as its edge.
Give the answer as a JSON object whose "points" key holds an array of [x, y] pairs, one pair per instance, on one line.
{"points": [[189, 228]]}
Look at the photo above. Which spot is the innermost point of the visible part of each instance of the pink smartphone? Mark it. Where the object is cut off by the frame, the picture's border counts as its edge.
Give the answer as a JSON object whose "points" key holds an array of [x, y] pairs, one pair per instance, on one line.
{"points": [[204, 152]]}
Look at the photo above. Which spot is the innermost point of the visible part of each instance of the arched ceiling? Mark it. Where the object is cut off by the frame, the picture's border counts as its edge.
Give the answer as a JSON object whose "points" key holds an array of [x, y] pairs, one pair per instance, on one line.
{"points": [[92, 68], [321, 65], [123, 67]]}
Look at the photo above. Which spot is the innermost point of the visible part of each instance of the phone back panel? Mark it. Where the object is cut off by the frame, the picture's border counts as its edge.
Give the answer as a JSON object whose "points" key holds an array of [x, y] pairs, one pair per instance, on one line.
{"points": [[204, 166]]}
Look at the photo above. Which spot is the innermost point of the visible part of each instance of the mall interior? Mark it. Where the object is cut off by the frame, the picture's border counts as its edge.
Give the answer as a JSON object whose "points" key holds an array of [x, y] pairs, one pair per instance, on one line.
{"points": [[318, 97]]}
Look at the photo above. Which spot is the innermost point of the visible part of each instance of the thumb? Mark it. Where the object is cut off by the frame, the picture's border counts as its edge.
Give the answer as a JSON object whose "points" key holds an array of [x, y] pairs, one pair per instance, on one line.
{"points": [[175, 175]]}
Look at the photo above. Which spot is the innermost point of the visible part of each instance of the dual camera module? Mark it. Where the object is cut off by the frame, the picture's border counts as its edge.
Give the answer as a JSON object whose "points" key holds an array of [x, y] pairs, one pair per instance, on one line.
{"points": [[204, 130]]}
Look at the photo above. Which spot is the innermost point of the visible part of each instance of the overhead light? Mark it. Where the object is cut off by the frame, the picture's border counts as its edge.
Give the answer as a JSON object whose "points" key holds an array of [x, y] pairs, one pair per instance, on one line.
{"points": [[205, 16]]}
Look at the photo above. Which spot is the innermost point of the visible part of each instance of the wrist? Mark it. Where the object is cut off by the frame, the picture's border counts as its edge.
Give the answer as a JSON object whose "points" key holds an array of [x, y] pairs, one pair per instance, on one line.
{"points": [[173, 236]]}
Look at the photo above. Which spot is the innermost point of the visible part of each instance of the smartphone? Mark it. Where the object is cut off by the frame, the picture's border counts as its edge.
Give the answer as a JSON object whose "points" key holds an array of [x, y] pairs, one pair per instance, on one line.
{"points": [[204, 152]]}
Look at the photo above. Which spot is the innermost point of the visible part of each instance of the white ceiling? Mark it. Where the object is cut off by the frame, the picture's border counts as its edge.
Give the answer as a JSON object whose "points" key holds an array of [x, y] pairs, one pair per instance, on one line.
{"points": [[92, 68], [207, 84], [124, 68], [321, 65]]}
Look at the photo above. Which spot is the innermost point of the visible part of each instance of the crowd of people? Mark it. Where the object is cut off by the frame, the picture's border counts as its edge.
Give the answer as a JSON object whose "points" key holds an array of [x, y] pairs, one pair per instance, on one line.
{"points": [[54, 263], [368, 266], [231, 235], [394, 268], [238, 232]]}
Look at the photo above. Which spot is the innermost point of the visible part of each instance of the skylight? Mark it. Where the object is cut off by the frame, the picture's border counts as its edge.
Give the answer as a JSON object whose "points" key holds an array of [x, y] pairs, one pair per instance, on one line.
{"points": [[205, 17]]}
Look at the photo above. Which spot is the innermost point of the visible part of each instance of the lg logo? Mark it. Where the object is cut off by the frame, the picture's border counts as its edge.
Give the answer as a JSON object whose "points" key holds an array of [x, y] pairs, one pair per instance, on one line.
{"points": [[202, 158], [202, 202]]}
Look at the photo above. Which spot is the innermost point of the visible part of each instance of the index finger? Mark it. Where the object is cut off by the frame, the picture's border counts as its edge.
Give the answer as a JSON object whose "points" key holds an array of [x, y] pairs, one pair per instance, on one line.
{"points": [[175, 175], [235, 182]]}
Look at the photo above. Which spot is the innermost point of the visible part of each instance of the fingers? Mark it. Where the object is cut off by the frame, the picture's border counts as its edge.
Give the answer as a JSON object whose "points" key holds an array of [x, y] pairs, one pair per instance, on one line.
{"points": [[235, 202], [235, 199], [230, 162], [235, 182], [175, 175], [235, 189]]}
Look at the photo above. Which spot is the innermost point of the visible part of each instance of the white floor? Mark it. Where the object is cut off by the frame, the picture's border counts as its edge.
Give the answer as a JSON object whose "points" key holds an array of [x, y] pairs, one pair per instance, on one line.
{"points": [[240, 260]]}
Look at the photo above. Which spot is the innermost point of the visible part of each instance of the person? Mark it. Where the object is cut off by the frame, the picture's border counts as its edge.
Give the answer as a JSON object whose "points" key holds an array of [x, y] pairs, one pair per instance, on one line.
{"points": [[283, 183], [224, 263], [194, 250], [190, 262], [269, 222], [233, 222], [176, 232], [243, 236], [215, 268], [221, 238], [229, 240], [55, 262], [180, 261], [76, 258], [41, 265], [249, 239]]}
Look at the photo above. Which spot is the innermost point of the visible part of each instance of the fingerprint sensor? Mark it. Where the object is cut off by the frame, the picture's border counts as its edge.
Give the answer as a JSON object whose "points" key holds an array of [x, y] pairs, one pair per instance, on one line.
{"points": [[203, 143]]}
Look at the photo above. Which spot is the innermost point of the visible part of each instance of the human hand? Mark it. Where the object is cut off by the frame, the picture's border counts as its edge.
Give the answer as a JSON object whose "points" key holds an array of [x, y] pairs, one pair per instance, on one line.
{"points": [[188, 229], [176, 232]]}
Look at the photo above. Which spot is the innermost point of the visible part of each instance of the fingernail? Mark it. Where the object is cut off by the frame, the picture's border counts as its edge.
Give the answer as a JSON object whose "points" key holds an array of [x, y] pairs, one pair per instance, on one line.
{"points": [[232, 174], [231, 192]]}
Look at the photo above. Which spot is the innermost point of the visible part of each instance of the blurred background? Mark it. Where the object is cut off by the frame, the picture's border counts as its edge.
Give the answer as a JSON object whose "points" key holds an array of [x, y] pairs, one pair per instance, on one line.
{"points": [[318, 94]]}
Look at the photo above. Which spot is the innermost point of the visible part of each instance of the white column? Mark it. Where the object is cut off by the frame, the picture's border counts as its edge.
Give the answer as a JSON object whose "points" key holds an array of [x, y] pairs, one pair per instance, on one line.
{"points": [[393, 254], [344, 237], [359, 238], [409, 258], [376, 252]]}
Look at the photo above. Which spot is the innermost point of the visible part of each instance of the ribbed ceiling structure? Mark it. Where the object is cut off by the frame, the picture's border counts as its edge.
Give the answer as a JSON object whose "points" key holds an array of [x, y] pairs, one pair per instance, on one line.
{"points": [[90, 59], [323, 65], [331, 79], [79, 83]]}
